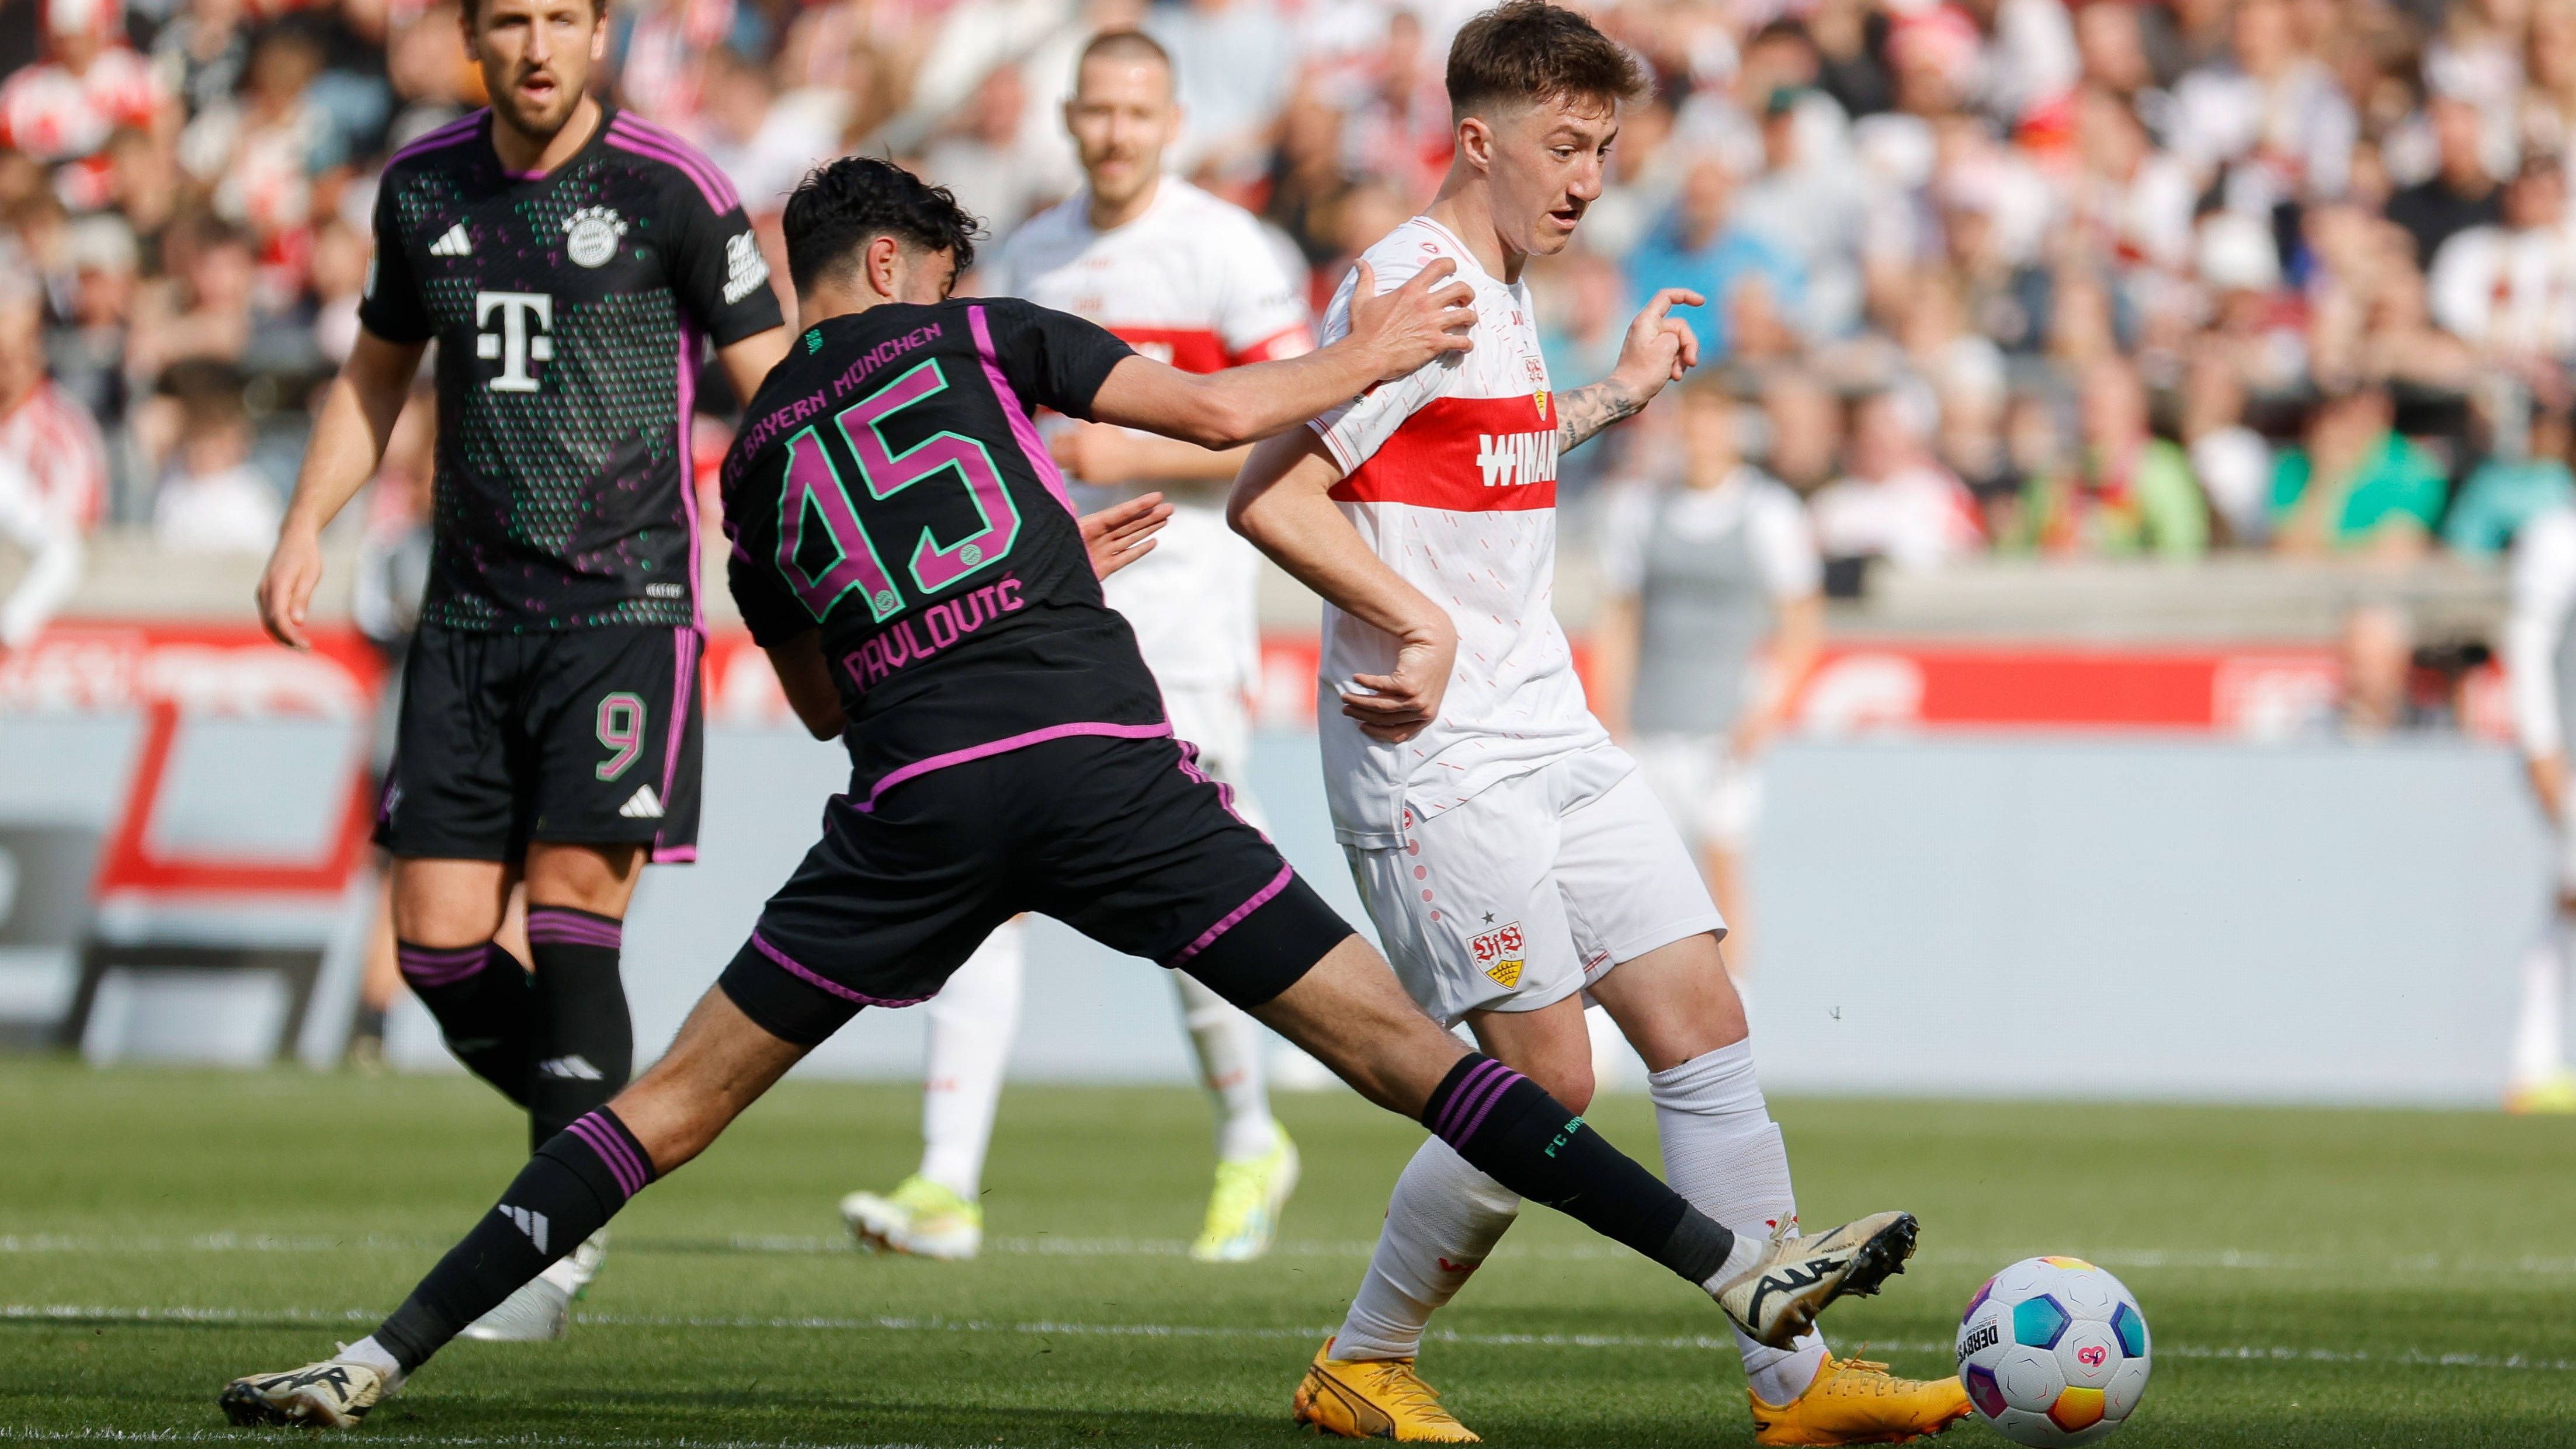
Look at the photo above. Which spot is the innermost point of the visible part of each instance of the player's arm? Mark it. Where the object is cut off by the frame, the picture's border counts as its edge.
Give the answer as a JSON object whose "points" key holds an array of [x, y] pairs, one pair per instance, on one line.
{"points": [[358, 412], [806, 678], [53, 548], [1102, 453], [747, 362], [1283, 503], [1391, 336], [1659, 349]]}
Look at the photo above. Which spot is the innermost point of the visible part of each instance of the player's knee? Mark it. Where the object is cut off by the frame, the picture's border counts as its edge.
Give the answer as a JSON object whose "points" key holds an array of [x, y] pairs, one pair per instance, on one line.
{"points": [[1569, 1081]]}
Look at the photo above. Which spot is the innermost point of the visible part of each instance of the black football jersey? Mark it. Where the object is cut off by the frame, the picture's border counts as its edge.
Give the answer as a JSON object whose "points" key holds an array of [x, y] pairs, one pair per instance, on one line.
{"points": [[889, 488], [569, 310]]}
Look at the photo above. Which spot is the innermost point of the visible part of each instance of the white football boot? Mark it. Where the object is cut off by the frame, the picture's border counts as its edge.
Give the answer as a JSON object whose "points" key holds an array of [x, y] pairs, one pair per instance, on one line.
{"points": [[326, 1395], [1779, 1297], [541, 1310]]}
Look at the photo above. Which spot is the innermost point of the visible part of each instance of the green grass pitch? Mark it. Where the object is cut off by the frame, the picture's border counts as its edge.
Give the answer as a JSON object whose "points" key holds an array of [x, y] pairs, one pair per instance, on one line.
{"points": [[2312, 1277]]}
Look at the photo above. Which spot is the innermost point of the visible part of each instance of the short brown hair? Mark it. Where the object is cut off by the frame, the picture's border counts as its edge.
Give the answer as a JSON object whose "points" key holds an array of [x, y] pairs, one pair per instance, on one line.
{"points": [[1531, 51], [1123, 45]]}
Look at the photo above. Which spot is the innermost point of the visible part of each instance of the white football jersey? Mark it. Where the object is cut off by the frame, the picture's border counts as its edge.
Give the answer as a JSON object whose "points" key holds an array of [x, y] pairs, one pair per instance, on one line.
{"points": [[1450, 474], [1197, 283]]}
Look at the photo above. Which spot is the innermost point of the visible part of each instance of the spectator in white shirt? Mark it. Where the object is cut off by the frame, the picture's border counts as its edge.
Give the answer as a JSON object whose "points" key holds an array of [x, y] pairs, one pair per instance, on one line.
{"points": [[2510, 290], [216, 502], [1896, 503]]}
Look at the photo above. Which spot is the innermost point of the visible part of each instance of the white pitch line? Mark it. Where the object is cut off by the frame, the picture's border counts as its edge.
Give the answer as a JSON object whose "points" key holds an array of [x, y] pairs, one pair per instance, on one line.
{"points": [[2237, 1260], [1048, 1328]]}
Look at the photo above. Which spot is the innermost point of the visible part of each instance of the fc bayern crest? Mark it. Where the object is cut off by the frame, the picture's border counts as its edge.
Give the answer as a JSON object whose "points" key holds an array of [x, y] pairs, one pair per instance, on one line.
{"points": [[590, 235]]}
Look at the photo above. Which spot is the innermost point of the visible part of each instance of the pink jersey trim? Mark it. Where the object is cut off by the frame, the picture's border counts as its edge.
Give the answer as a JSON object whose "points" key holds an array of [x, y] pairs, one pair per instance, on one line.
{"points": [[1235, 917], [454, 133], [1022, 429], [645, 139], [1005, 745], [761, 943]]}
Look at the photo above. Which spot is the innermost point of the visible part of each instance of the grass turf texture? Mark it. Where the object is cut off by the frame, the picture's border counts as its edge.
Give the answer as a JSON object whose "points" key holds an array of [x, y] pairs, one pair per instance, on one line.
{"points": [[2306, 1273]]}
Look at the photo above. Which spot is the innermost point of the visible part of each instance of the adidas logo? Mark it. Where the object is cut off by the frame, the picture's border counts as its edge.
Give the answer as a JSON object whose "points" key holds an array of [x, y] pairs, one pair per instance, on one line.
{"points": [[454, 244], [570, 1069], [531, 1223], [642, 805]]}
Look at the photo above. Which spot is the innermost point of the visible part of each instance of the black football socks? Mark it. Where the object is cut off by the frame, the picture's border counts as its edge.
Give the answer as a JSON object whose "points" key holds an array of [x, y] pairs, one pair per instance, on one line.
{"points": [[485, 1009], [1509, 1128], [568, 1191], [584, 1040]]}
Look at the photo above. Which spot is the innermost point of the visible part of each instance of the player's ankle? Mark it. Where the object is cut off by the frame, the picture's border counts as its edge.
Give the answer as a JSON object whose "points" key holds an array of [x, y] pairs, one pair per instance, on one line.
{"points": [[1248, 1135]]}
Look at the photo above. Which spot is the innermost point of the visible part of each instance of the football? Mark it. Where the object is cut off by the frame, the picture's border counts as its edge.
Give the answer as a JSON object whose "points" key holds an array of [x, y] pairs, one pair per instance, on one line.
{"points": [[2053, 1351]]}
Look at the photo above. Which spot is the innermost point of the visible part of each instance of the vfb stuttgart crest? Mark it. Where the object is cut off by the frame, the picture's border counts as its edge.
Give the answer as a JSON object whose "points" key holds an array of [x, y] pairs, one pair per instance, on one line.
{"points": [[590, 235], [1498, 954]]}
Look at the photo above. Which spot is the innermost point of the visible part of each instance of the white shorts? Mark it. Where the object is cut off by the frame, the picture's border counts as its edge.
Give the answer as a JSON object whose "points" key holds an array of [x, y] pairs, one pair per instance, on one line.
{"points": [[1534, 889], [1714, 798]]}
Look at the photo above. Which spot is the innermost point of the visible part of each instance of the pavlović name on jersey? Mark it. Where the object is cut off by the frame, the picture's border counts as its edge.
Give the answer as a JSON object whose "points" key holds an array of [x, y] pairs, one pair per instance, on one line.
{"points": [[1509, 460], [940, 625]]}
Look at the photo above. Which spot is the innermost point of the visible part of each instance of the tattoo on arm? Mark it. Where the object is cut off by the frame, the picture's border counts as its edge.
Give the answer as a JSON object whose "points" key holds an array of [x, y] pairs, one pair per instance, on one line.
{"points": [[1587, 410]]}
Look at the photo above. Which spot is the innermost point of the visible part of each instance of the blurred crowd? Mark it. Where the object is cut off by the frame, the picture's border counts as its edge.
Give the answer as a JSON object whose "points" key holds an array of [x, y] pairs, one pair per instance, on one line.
{"points": [[2117, 277]]}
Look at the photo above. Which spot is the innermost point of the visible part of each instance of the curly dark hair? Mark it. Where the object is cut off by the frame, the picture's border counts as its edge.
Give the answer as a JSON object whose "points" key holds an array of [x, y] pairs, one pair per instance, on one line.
{"points": [[843, 205]]}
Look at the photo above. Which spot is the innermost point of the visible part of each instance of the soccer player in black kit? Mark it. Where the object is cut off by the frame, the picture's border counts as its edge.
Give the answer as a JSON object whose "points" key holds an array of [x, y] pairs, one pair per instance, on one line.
{"points": [[903, 551], [570, 261]]}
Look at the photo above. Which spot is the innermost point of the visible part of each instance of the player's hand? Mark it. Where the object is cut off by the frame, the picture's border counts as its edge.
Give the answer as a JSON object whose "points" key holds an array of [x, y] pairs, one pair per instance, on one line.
{"points": [[1093, 452], [1399, 705], [286, 586], [1122, 533], [1427, 318], [1659, 347]]}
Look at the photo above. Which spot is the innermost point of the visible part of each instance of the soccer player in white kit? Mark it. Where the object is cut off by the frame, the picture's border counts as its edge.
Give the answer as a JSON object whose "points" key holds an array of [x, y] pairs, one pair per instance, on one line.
{"points": [[1193, 281], [2540, 680], [1510, 854]]}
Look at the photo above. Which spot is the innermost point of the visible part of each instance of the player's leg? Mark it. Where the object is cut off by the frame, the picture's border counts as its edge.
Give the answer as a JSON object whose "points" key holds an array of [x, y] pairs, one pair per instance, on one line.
{"points": [[581, 1043], [449, 817], [1138, 855], [585, 1047], [445, 915], [608, 721], [1257, 1165], [2538, 1079], [937, 1212], [1637, 904], [721, 1063], [882, 909], [1471, 923]]}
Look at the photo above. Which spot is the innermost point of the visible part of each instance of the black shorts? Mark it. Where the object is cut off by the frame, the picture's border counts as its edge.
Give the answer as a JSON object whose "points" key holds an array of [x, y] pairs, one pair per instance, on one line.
{"points": [[578, 736], [1124, 840]]}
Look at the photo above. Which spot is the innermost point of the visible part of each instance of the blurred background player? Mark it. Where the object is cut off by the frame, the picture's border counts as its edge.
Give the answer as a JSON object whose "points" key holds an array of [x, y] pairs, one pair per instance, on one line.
{"points": [[1190, 280], [1509, 853], [2540, 673], [1712, 616], [568, 258]]}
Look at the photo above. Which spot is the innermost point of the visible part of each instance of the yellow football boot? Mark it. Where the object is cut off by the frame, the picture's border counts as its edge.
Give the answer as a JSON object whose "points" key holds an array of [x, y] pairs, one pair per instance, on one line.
{"points": [[1374, 1398], [1854, 1401], [2551, 1096], [920, 1217], [1243, 1212]]}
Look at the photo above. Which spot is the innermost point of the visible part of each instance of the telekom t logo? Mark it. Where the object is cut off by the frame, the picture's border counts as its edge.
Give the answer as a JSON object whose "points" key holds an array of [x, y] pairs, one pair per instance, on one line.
{"points": [[513, 344]]}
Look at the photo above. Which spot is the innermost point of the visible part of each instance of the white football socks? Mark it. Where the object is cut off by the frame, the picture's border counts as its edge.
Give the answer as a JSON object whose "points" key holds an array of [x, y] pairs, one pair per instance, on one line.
{"points": [[972, 1021], [1444, 1218], [1723, 1152], [1229, 1048], [373, 1355], [2540, 1018]]}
